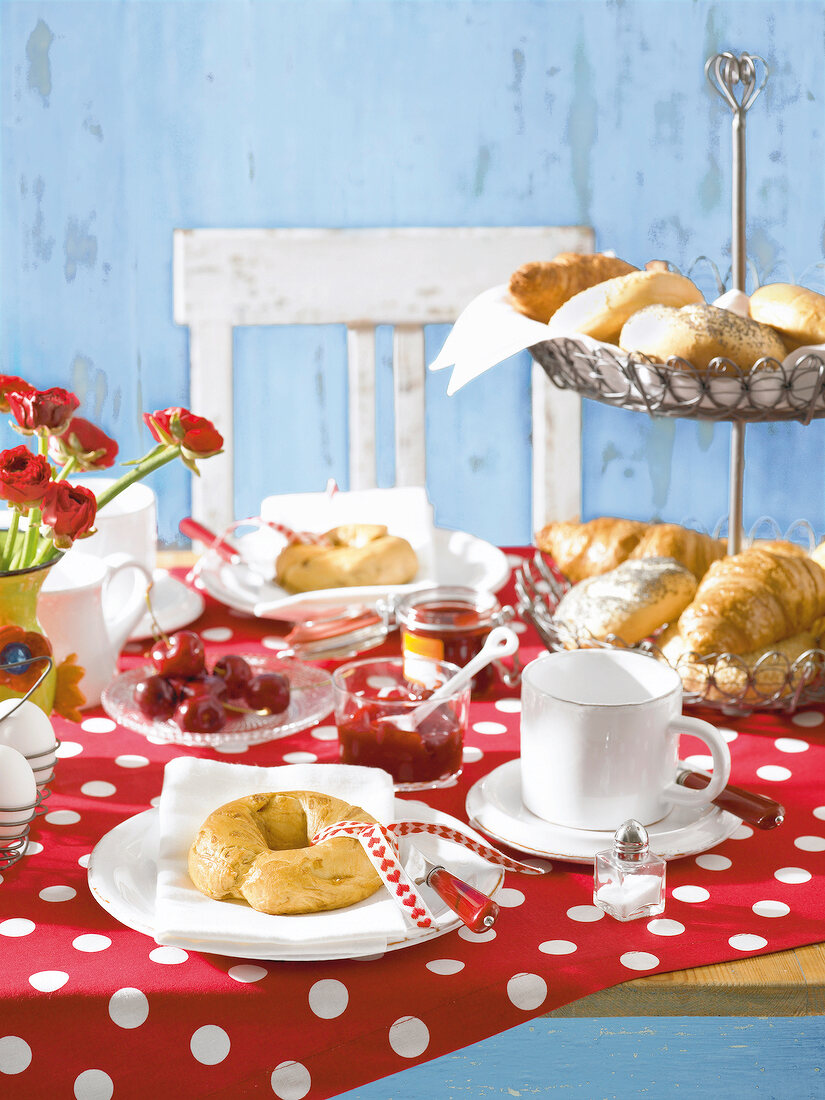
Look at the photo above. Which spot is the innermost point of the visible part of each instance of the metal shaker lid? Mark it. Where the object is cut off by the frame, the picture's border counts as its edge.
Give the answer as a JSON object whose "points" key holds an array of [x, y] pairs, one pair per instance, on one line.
{"points": [[630, 840]]}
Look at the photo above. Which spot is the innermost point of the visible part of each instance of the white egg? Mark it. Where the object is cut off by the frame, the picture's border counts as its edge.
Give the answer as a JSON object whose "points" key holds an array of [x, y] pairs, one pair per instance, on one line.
{"points": [[25, 727], [18, 792]]}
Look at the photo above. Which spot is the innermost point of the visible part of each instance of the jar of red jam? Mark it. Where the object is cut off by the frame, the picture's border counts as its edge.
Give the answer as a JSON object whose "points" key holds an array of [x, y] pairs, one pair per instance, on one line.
{"points": [[448, 623]]}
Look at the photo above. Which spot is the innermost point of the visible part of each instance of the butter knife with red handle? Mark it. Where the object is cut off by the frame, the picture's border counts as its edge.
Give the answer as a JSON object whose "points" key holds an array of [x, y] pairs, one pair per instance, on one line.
{"points": [[475, 909], [756, 809]]}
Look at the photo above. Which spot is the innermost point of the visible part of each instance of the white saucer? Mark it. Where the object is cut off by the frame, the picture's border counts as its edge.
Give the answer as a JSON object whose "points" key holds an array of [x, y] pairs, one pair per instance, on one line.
{"points": [[494, 806], [174, 603]]}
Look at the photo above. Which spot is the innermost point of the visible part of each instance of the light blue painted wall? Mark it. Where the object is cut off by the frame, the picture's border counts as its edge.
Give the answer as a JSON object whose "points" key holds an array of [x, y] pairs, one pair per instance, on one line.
{"points": [[122, 120]]}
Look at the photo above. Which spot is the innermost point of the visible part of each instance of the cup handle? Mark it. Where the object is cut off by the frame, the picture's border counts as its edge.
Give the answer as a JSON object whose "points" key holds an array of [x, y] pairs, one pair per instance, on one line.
{"points": [[123, 623], [718, 746]]}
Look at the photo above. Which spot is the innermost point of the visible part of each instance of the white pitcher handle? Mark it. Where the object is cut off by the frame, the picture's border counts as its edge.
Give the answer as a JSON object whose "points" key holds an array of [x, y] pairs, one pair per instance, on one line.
{"points": [[718, 746], [121, 621]]}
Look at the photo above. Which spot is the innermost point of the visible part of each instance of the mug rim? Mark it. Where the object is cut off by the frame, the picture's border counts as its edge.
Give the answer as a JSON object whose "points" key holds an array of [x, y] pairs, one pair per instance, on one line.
{"points": [[529, 672]]}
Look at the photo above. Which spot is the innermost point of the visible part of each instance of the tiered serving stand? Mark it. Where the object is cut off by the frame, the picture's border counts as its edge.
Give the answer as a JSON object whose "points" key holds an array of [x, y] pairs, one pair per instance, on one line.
{"points": [[721, 392]]}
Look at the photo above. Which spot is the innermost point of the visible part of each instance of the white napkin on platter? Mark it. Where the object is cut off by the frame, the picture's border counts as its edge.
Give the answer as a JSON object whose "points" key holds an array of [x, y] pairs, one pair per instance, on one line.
{"points": [[184, 917]]}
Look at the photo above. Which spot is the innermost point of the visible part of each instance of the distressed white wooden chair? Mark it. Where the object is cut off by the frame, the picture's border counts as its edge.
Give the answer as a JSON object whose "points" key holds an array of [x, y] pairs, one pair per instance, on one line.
{"points": [[224, 278]]}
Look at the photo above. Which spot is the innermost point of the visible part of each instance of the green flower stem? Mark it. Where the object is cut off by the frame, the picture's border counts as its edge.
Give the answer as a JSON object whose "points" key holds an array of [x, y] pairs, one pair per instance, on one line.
{"points": [[33, 532], [69, 468], [46, 550], [11, 536], [156, 458]]}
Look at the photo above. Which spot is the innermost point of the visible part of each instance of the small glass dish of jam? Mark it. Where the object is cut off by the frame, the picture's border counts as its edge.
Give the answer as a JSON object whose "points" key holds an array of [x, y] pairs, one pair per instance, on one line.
{"points": [[368, 694], [449, 623]]}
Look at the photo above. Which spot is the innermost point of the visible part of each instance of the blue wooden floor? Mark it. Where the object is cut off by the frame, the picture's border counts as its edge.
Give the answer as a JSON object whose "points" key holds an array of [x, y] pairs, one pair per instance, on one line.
{"points": [[658, 1058]]}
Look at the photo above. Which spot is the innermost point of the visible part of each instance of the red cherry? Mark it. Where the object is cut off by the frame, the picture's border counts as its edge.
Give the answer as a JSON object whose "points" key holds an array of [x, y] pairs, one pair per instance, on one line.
{"points": [[268, 691], [235, 672], [205, 684], [155, 697], [200, 714], [182, 654]]}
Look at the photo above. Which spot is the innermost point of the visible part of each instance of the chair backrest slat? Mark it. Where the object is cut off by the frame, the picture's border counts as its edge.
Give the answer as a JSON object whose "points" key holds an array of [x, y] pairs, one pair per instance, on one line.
{"points": [[361, 374], [408, 369]]}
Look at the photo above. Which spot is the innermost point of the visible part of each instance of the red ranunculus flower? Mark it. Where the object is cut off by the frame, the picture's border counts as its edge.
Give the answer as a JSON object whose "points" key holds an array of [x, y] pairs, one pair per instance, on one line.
{"points": [[85, 442], [69, 512], [46, 412], [11, 383], [197, 436], [24, 477], [18, 650]]}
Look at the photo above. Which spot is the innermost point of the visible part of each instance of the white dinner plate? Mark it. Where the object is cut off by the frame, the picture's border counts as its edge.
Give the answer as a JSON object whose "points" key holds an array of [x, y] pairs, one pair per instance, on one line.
{"points": [[122, 876], [494, 805], [175, 605], [456, 558]]}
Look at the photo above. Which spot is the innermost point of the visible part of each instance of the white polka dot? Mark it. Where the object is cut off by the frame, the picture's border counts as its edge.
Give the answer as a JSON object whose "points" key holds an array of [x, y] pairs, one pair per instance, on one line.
{"points": [[168, 956], [768, 908], [131, 761], [514, 560], [445, 966], [63, 817], [409, 1037], [808, 718], [300, 758], [638, 960], [153, 740], [272, 641], [742, 833], [290, 1081], [328, 998], [774, 773], [15, 1054], [792, 875], [791, 744], [58, 893], [83, 860], [209, 1045], [246, 973], [744, 941], [216, 634], [518, 628], [585, 914], [93, 1084], [664, 927], [47, 981], [232, 748], [489, 728], [98, 788], [819, 812], [471, 755], [558, 947], [17, 926], [477, 937], [699, 761], [810, 843], [98, 725], [510, 898], [68, 748], [325, 733], [155, 801], [728, 734], [712, 862], [33, 848], [508, 706], [527, 991], [128, 1007], [690, 893], [90, 942]]}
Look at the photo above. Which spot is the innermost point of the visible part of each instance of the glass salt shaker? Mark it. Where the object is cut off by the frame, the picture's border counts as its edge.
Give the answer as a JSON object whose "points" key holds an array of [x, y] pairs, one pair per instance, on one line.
{"points": [[628, 879]]}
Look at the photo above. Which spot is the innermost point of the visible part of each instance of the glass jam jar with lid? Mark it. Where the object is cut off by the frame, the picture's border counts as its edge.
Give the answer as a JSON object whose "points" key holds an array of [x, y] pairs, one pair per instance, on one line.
{"points": [[448, 623]]}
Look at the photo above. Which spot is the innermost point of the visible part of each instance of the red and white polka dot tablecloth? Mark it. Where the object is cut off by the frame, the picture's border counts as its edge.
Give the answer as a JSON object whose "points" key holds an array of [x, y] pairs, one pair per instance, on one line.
{"points": [[92, 1009]]}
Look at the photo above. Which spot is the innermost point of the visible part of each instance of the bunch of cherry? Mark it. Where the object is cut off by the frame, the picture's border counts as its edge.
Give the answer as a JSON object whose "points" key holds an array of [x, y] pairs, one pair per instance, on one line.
{"points": [[201, 700]]}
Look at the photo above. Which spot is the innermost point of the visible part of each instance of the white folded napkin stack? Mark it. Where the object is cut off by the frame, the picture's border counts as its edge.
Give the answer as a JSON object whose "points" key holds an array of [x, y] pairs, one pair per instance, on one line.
{"points": [[192, 789]]}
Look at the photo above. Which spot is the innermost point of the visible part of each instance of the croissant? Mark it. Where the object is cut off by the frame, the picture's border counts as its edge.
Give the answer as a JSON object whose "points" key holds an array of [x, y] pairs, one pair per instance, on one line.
{"points": [[752, 599], [537, 289], [693, 549], [586, 549]]}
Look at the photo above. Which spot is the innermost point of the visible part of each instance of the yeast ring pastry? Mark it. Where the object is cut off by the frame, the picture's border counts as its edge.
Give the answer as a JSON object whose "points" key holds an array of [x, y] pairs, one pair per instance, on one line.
{"points": [[353, 555], [257, 849]]}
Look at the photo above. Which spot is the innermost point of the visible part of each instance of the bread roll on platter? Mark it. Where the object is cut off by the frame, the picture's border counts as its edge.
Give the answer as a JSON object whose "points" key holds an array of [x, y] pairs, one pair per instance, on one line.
{"points": [[629, 603], [538, 289], [794, 311], [354, 555], [693, 549], [602, 310], [700, 334]]}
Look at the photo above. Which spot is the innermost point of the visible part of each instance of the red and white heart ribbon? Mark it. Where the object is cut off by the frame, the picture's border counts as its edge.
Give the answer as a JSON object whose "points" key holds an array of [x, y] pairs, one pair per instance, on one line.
{"points": [[380, 842]]}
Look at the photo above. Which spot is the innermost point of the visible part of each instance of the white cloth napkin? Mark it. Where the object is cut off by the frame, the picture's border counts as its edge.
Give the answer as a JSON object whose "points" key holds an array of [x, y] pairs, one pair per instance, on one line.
{"points": [[184, 917]]}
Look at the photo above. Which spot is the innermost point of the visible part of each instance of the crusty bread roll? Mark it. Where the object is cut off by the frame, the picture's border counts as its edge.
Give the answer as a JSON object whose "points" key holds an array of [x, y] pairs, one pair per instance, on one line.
{"points": [[586, 549], [602, 310], [355, 555], [693, 549], [257, 849], [630, 602], [538, 289], [794, 311], [699, 334], [753, 599]]}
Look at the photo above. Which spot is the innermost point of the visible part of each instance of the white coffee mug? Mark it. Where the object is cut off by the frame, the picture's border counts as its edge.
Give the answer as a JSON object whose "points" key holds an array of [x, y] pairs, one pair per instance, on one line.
{"points": [[128, 524], [81, 613], [600, 740]]}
